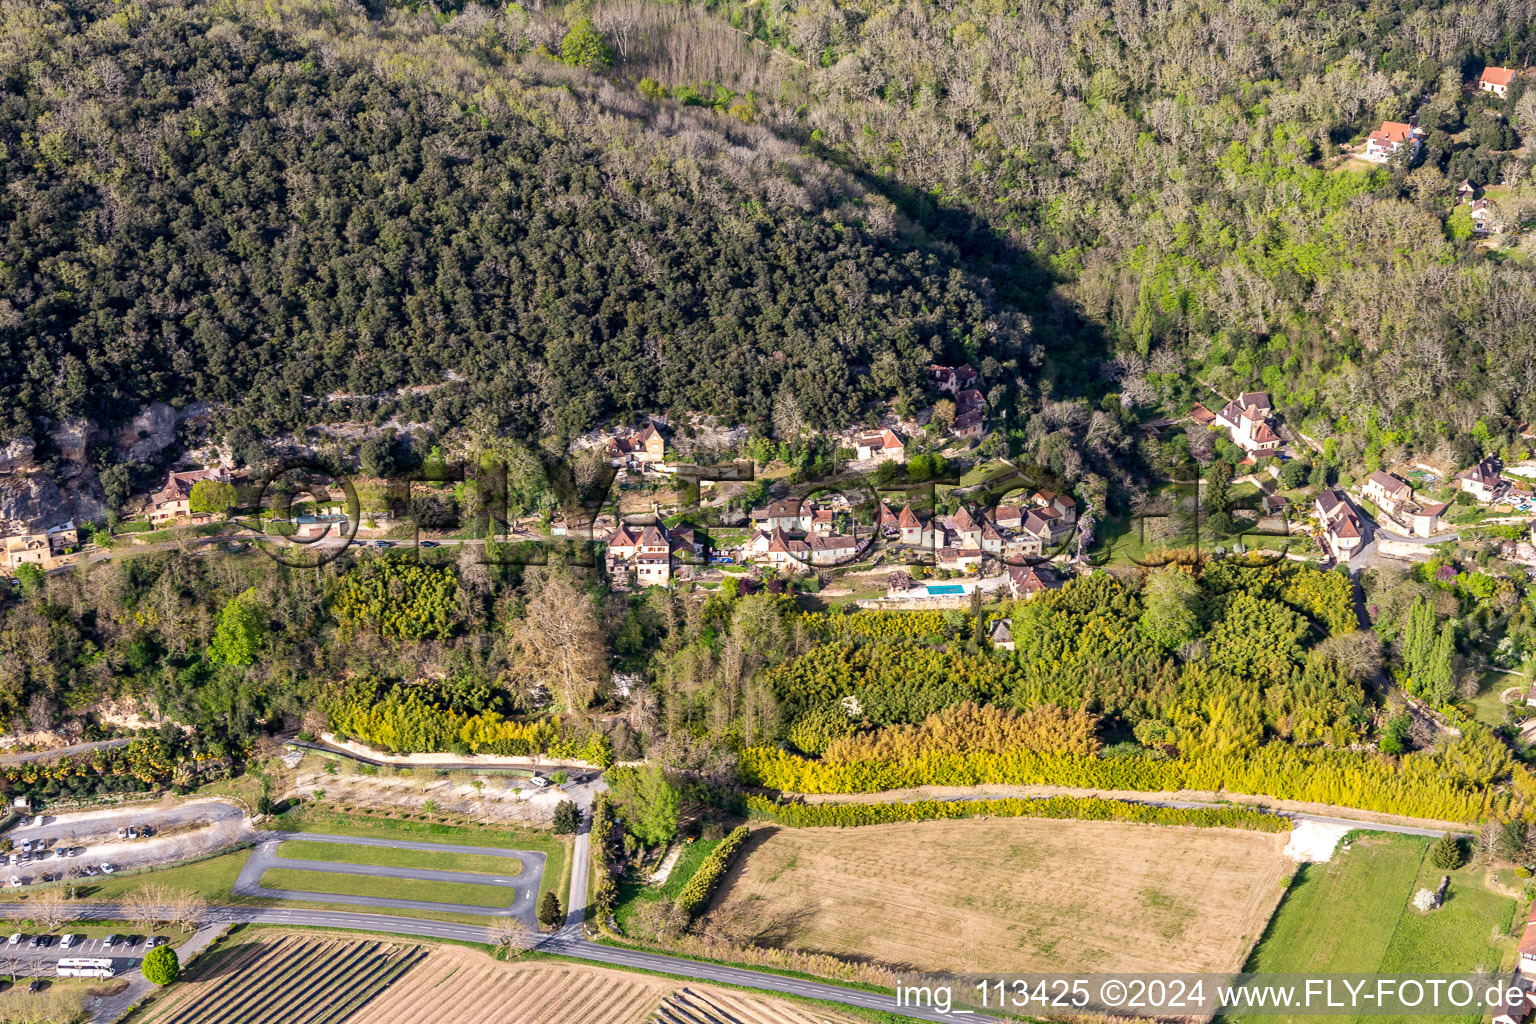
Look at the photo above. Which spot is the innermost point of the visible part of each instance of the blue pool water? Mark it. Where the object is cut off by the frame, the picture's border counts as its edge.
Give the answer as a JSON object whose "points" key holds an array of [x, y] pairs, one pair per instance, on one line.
{"points": [[945, 588]]}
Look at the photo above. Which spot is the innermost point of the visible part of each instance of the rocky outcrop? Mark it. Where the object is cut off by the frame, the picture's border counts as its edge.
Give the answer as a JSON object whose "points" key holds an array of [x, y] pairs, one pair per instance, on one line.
{"points": [[16, 457], [31, 504], [73, 439], [147, 434]]}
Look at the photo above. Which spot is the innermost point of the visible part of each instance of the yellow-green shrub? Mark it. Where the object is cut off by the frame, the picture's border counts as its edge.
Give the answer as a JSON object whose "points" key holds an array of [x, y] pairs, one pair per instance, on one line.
{"points": [[1079, 807], [698, 888]]}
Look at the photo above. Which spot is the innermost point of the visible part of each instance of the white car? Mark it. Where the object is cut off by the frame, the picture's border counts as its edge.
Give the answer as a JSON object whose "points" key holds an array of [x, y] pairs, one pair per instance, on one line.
{"points": [[15, 939], [67, 941], [110, 940], [15, 882], [106, 868], [538, 782]]}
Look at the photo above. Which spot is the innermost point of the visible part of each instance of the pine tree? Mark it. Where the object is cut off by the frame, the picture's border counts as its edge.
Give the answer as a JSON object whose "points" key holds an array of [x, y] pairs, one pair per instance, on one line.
{"points": [[1446, 854], [550, 914]]}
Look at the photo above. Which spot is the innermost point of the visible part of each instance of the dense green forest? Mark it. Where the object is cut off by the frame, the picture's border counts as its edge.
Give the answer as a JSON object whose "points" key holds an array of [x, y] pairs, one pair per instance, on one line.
{"points": [[1170, 170], [1255, 678], [264, 205], [778, 213]]}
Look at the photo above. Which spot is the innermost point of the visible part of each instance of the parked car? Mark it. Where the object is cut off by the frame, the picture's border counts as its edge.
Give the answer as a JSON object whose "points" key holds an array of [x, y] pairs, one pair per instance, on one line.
{"points": [[26, 846], [146, 832], [429, 543], [15, 939], [67, 941], [122, 833], [106, 868], [110, 940], [23, 822], [154, 941], [133, 833], [38, 941], [538, 782], [15, 882]]}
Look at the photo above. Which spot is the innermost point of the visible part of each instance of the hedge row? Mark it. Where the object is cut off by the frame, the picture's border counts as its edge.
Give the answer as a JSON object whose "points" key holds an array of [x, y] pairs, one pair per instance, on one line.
{"points": [[696, 893], [1416, 785], [1084, 808]]}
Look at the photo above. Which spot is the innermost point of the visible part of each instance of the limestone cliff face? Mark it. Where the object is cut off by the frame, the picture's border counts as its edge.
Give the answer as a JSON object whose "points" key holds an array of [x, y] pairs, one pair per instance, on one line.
{"points": [[16, 457], [30, 503], [147, 434]]}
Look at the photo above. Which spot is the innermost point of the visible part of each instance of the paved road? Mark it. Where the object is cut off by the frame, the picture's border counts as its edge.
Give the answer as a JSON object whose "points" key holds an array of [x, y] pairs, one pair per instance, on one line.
{"points": [[58, 752], [568, 942], [523, 884]]}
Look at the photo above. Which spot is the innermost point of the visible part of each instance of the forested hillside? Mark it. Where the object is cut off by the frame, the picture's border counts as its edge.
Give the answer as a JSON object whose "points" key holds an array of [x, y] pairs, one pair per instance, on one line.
{"points": [[758, 209], [263, 204], [1174, 168]]}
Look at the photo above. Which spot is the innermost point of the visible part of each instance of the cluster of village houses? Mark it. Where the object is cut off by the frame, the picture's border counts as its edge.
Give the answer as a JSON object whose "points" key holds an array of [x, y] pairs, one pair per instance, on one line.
{"points": [[1394, 136], [793, 536], [48, 545], [1344, 529]]}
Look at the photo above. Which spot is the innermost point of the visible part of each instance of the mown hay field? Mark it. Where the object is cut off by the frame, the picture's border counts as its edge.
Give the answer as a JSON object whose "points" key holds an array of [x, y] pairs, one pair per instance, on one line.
{"points": [[1007, 894]]}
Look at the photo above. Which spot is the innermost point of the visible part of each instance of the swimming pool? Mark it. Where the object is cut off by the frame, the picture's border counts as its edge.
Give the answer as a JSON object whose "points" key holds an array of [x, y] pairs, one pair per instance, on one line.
{"points": [[945, 588]]}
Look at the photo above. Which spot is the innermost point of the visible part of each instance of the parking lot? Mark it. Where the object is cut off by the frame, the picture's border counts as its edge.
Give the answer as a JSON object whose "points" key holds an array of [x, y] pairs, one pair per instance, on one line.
{"points": [[81, 844], [28, 960]]}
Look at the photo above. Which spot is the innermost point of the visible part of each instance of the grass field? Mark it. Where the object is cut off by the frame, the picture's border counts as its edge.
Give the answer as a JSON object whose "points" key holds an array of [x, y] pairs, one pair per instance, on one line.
{"points": [[1353, 914], [634, 893], [344, 853], [458, 893], [1008, 895], [556, 849], [215, 879]]}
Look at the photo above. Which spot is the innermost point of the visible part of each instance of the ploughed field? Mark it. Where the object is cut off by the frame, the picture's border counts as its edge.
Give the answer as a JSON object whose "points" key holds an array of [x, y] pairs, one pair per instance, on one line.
{"points": [[284, 979], [468, 987], [1008, 894]]}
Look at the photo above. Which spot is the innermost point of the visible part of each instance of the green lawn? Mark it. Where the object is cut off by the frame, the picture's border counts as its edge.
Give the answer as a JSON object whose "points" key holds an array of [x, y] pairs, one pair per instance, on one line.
{"points": [[556, 849], [1486, 706], [633, 893], [1353, 915], [459, 893], [214, 878], [343, 853]]}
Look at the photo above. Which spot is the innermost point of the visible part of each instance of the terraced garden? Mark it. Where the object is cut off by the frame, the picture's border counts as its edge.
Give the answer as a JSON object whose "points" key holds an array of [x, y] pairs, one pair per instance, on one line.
{"points": [[284, 979]]}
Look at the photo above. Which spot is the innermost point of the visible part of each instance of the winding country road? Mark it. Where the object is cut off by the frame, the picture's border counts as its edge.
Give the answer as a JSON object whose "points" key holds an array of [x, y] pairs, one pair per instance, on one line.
{"points": [[58, 752], [569, 941]]}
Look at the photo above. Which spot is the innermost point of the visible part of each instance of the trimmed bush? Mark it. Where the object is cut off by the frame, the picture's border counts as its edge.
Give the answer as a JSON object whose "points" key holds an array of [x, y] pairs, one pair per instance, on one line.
{"points": [[1415, 785], [161, 965], [1082, 808], [697, 892]]}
